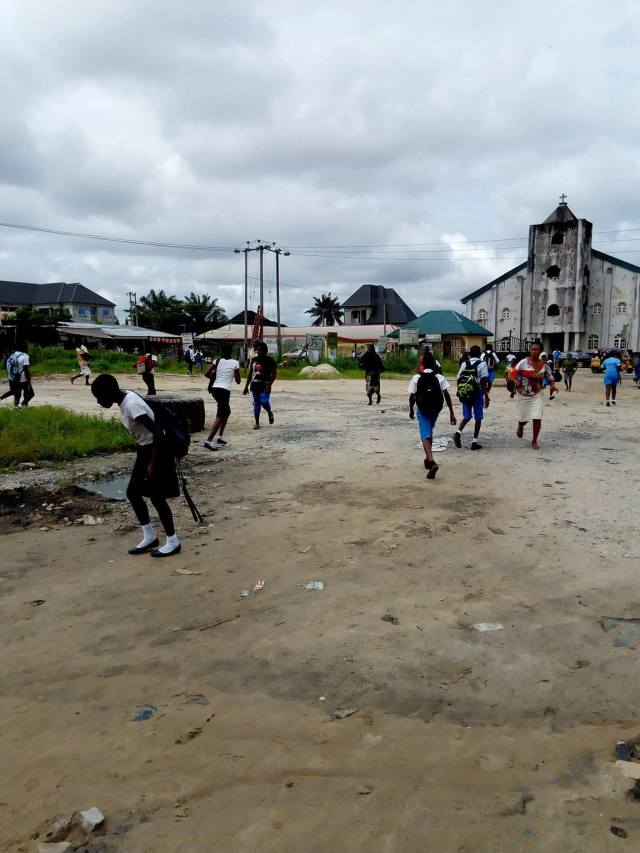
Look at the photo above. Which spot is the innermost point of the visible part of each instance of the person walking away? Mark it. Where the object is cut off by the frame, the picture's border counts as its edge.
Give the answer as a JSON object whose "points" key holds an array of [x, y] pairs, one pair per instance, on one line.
{"points": [[262, 374], [555, 355], [372, 365], [425, 358], [473, 393], [530, 374], [569, 368], [636, 371], [19, 376], [596, 363], [154, 472], [199, 360], [146, 367], [221, 375], [82, 354], [429, 390], [492, 360], [189, 358], [612, 367]]}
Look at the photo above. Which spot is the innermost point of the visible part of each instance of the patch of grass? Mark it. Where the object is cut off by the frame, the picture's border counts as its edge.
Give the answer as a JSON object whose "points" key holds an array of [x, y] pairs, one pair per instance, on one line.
{"points": [[46, 360], [55, 434]]}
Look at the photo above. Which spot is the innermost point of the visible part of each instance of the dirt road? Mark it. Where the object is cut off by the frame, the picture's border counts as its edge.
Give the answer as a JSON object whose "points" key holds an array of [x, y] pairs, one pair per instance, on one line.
{"points": [[461, 741]]}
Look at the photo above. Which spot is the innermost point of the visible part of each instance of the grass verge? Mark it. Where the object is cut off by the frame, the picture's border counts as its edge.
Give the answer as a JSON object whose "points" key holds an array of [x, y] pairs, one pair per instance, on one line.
{"points": [[55, 434]]}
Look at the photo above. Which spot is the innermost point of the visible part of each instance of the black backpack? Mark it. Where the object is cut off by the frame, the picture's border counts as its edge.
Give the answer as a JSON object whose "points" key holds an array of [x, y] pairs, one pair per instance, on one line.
{"points": [[468, 383], [429, 396]]}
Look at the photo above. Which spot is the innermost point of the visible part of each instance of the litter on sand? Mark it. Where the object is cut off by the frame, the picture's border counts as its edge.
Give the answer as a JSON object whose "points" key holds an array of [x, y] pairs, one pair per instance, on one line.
{"points": [[631, 769], [485, 627], [187, 572], [244, 593], [389, 618], [314, 585], [343, 713], [497, 530], [259, 584], [144, 712], [609, 622], [440, 443]]}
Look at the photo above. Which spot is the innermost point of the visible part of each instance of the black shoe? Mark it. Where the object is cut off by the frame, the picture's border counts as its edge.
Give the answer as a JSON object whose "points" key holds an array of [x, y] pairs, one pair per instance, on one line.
{"points": [[176, 550], [271, 418], [608, 403], [146, 548], [457, 439], [370, 403], [476, 446], [221, 441], [432, 470], [379, 398]]}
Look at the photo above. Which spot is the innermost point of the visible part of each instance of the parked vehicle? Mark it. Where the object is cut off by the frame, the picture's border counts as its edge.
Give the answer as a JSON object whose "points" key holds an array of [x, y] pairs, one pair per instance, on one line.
{"points": [[583, 358]]}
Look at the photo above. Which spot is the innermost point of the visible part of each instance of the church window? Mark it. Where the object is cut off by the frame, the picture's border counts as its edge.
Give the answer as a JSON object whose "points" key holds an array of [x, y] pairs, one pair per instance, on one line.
{"points": [[506, 313], [553, 271], [482, 314], [622, 307], [557, 239], [553, 311], [597, 308], [620, 341], [593, 342]]}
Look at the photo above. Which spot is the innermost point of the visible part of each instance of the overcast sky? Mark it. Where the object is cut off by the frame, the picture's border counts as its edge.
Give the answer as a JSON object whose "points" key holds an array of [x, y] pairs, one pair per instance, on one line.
{"points": [[357, 124]]}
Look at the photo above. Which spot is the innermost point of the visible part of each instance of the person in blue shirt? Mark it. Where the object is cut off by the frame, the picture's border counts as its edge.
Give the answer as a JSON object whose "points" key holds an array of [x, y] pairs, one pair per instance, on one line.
{"points": [[612, 367]]}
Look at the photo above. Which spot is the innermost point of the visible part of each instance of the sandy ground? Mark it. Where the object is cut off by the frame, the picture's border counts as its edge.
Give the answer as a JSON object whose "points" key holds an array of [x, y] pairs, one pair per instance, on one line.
{"points": [[463, 741]]}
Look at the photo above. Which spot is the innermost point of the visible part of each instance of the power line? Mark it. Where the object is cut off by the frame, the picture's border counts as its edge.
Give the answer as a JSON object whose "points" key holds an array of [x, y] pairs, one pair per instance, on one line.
{"points": [[156, 243]]}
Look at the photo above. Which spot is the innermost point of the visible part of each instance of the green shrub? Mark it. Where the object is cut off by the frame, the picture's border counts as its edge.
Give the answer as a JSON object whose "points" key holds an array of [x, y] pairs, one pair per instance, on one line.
{"points": [[55, 434]]}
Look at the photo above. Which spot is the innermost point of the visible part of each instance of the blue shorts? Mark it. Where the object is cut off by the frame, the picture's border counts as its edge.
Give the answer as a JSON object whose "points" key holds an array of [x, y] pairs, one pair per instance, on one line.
{"points": [[611, 380], [427, 424], [474, 410], [492, 377]]}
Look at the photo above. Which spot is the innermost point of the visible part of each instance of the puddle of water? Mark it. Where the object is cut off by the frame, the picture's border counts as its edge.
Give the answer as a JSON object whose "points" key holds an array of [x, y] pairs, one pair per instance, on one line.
{"points": [[112, 489]]}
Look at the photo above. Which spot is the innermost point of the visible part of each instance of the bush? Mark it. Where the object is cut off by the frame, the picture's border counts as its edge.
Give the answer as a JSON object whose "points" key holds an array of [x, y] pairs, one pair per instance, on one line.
{"points": [[401, 362], [55, 434]]}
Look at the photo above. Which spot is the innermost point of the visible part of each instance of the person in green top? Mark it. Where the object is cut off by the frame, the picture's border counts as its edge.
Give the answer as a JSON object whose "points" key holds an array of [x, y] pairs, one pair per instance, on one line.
{"points": [[569, 368]]}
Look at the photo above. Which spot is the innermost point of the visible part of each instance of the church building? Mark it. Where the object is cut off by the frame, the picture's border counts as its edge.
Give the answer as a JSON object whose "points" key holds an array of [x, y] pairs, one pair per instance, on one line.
{"points": [[568, 294]]}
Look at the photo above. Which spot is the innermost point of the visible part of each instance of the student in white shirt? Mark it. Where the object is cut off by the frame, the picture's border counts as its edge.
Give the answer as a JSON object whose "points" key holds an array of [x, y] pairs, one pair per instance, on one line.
{"points": [[221, 375], [17, 364], [154, 472], [474, 407], [429, 390]]}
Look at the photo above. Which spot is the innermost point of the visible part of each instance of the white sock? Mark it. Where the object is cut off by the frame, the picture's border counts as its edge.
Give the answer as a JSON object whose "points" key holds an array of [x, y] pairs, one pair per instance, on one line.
{"points": [[148, 536], [458, 432], [170, 545], [474, 440]]}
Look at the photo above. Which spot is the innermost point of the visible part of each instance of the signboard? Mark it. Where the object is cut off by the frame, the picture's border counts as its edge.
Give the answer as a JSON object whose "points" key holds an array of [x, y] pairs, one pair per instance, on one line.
{"points": [[315, 345], [433, 339], [408, 337], [272, 346], [382, 343], [187, 339]]}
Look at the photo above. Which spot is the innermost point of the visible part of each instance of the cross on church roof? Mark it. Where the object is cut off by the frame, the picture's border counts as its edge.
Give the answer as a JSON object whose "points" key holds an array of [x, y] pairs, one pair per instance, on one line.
{"points": [[563, 199]]}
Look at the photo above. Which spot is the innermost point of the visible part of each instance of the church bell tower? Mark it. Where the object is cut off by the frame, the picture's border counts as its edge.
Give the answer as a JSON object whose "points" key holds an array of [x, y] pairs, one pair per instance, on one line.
{"points": [[558, 279]]}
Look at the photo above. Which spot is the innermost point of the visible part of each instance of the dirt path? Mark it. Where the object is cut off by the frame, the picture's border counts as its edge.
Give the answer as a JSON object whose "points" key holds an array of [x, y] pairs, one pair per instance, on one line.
{"points": [[462, 741]]}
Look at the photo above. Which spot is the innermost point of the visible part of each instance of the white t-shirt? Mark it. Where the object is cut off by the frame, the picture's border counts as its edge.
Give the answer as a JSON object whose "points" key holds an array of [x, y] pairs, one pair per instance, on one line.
{"points": [[22, 360], [413, 385], [131, 408], [495, 360], [482, 369], [225, 372]]}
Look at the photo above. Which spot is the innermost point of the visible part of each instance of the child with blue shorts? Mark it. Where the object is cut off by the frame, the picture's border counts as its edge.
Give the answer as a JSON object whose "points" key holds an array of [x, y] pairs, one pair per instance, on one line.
{"points": [[428, 389], [474, 408]]}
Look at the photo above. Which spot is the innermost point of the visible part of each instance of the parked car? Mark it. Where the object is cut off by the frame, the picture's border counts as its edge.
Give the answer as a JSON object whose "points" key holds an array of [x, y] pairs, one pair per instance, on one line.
{"points": [[583, 358]]}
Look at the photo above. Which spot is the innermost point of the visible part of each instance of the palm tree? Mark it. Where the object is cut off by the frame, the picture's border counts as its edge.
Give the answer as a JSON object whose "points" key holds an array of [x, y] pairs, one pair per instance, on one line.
{"points": [[204, 311], [326, 310], [159, 311]]}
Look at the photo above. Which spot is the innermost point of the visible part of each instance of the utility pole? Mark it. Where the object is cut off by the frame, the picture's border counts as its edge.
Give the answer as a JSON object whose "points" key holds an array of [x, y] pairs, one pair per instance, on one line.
{"points": [[277, 252], [261, 250], [133, 308], [261, 247]]}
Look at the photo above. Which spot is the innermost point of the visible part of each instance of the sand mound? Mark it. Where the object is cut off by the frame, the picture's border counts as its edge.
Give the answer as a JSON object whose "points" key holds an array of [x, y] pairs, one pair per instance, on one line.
{"points": [[325, 371]]}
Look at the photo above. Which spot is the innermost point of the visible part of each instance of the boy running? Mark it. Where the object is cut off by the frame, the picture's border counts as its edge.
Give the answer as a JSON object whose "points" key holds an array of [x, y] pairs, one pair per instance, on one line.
{"points": [[154, 471], [475, 373], [428, 389], [82, 354], [492, 361], [262, 374], [612, 367], [221, 375], [19, 376]]}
